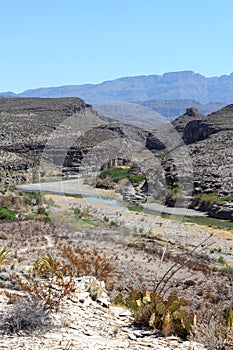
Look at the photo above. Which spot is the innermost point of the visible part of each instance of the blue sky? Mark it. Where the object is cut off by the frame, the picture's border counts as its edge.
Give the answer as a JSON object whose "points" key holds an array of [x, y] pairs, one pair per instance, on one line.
{"points": [[63, 42]]}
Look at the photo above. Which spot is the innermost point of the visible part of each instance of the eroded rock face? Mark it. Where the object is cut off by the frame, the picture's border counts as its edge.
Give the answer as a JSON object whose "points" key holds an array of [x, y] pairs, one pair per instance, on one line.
{"points": [[210, 143], [64, 130], [25, 124]]}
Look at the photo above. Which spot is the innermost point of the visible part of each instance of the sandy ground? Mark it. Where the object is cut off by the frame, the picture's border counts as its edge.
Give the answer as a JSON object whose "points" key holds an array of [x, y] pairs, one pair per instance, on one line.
{"points": [[173, 233]]}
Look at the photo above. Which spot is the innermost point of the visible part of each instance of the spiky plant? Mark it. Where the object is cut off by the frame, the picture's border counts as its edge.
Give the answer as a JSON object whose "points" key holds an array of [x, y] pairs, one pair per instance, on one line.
{"points": [[4, 256]]}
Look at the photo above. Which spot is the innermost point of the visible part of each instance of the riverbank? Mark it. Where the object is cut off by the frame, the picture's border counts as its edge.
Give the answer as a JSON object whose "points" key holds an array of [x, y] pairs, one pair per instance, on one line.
{"points": [[77, 187]]}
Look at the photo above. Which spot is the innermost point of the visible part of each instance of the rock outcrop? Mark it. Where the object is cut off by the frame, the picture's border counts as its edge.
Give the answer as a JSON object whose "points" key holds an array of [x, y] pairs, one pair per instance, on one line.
{"points": [[210, 143]]}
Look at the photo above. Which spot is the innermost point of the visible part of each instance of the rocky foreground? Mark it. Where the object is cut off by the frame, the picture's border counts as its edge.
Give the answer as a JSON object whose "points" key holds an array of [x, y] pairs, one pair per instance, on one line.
{"points": [[85, 324], [134, 243]]}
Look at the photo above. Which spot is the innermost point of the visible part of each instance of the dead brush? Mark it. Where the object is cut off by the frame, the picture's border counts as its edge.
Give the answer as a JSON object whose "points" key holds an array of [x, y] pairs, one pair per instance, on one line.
{"points": [[51, 291], [215, 331], [52, 278], [81, 262], [48, 283], [26, 316]]}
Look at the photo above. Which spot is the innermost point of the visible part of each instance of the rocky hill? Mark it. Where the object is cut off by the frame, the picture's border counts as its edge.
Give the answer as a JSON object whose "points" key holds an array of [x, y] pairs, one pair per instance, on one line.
{"points": [[70, 127], [173, 85], [26, 125], [210, 143]]}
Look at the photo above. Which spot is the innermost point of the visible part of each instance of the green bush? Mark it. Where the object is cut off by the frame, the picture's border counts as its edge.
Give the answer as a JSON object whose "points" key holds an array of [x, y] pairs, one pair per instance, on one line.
{"points": [[227, 199], [29, 196], [7, 214], [221, 260], [41, 211], [113, 223], [77, 211], [137, 178], [135, 208], [42, 215], [29, 217], [116, 174], [208, 198]]}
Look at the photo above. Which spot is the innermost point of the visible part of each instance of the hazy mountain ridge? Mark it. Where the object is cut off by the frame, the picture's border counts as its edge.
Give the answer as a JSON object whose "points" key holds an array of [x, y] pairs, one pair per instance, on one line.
{"points": [[171, 109], [173, 85]]}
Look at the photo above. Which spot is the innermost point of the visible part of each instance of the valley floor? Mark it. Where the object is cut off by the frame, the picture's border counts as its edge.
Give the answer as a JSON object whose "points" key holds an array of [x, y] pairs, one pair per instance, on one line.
{"points": [[135, 243]]}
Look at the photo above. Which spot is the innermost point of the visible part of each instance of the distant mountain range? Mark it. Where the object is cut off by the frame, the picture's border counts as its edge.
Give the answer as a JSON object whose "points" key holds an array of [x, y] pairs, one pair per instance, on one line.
{"points": [[176, 85], [171, 109], [187, 88]]}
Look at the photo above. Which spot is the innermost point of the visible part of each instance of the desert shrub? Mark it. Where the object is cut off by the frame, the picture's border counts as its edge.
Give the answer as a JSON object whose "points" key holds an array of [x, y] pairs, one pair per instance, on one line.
{"points": [[7, 214], [47, 266], [26, 315], [136, 208], [32, 196], [221, 260], [174, 191], [47, 283], [229, 271], [77, 211], [206, 200], [167, 315], [135, 179], [113, 223], [82, 262], [41, 211], [52, 278], [44, 218], [116, 174], [226, 199], [42, 215], [29, 217], [6, 201], [50, 291]]}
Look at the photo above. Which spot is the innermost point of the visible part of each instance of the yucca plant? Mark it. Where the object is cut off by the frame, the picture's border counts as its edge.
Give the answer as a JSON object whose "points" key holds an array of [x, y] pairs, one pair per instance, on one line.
{"points": [[4, 256], [228, 318], [47, 266]]}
